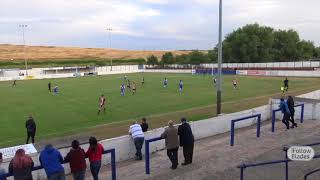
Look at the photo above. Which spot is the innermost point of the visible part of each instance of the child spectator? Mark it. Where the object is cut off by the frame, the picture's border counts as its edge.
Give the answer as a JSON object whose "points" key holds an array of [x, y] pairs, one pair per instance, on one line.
{"points": [[76, 158], [51, 160], [94, 154]]}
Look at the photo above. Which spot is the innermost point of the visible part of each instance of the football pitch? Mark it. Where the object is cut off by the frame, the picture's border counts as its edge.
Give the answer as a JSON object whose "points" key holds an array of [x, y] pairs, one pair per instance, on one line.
{"points": [[74, 109]]}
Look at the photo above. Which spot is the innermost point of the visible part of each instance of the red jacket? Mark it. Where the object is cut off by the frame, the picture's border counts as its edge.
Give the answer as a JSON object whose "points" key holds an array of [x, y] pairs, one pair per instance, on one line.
{"points": [[95, 155], [76, 158]]}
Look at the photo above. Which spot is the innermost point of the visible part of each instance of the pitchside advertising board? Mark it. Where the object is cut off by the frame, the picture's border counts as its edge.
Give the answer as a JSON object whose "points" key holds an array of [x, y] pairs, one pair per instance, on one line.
{"points": [[10, 151]]}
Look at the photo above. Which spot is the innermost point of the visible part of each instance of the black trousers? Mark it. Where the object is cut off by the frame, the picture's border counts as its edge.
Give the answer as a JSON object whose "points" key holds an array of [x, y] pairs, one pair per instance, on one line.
{"points": [[292, 118], [173, 156], [138, 142], [32, 135], [188, 153], [285, 119]]}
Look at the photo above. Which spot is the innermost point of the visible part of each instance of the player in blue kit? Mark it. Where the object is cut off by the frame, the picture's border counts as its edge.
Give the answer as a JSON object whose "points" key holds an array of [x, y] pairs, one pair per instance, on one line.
{"points": [[180, 86], [165, 83], [122, 89]]}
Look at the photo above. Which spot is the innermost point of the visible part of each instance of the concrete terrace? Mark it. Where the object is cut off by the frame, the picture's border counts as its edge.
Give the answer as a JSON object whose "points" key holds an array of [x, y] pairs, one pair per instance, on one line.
{"points": [[215, 159]]}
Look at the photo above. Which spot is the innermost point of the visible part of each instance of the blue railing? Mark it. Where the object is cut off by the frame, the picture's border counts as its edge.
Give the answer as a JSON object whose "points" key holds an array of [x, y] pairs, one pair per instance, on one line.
{"points": [[113, 165], [286, 161], [285, 149], [310, 173], [244, 166], [147, 152], [242, 119], [276, 110]]}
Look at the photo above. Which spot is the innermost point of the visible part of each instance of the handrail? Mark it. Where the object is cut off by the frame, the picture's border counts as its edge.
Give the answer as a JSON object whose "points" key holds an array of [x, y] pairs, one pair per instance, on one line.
{"points": [[113, 165], [147, 151], [312, 172], [244, 166], [273, 120], [242, 119]]}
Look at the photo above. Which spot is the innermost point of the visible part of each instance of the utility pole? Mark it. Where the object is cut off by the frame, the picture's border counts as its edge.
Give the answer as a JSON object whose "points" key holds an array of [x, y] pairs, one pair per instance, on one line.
{"points": [[109, 33], [219, 89], [23, 26]]}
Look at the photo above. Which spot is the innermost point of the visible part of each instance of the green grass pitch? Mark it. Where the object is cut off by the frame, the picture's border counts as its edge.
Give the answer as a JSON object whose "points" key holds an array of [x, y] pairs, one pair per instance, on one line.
{"points": [[77, 103]]}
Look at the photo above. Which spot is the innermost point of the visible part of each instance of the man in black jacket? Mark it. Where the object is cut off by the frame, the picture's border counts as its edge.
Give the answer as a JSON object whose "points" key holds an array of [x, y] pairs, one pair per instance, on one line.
{"points": [[186, 141], [31, 129], [144, 125]]}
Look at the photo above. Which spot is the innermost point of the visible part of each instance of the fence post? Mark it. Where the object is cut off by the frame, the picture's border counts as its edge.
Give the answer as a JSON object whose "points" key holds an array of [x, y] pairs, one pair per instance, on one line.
{"points": [[147, 157], [258, 125], [241, 173], [232, 133], [285, 149], [273, 120], [302, 113], [113, 164]]}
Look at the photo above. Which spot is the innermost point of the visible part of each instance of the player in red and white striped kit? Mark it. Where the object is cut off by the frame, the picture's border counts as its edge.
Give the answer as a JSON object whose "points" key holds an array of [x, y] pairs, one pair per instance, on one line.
{"points": [[102, 104]]}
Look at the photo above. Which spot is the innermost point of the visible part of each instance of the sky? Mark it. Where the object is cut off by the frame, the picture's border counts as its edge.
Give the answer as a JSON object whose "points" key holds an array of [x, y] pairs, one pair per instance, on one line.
{"points": [[148, 24]]}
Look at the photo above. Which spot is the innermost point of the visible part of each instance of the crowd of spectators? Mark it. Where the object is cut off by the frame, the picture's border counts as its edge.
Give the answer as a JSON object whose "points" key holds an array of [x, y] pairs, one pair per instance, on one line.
{"points": [[51, 159]]}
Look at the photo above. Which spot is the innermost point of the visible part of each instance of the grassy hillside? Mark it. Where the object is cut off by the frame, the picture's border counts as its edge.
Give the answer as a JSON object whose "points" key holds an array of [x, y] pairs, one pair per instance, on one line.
{"points": [[45, 53]]}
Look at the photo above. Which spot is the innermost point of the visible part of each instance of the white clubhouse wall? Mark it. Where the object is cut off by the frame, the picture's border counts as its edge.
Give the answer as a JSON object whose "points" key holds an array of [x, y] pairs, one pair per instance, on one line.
{"points": [[204, 128]]}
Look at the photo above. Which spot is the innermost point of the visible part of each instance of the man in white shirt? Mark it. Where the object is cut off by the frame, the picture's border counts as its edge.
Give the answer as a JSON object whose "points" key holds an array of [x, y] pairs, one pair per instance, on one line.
{"points": [[135, 131]]}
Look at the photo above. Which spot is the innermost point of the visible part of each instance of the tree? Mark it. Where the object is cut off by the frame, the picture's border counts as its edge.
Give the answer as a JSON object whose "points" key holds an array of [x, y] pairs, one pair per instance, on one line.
{"points": [[198, 57], [306, 49], [317, 52], [167, 58], [152, 60]]}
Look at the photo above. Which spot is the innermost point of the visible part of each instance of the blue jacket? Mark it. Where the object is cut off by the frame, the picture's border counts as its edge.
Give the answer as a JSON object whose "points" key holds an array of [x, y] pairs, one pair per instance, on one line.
{"points": [[51, 160], [284, 107]]}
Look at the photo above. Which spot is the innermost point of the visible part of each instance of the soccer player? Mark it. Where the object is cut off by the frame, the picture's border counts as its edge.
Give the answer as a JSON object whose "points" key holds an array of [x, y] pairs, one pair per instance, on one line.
{"points": [[49, 86], [122, 89], [165, 83], [234, 82], [129, 85], [215, 81], [142, 81], [133, 88], [286, 84], [102, 104], [55, 90], [14, 83], [180, 86]]}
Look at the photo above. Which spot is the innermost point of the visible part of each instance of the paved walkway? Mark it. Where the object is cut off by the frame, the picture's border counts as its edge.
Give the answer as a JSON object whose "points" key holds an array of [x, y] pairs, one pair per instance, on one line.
{"points": [[215, 159]]}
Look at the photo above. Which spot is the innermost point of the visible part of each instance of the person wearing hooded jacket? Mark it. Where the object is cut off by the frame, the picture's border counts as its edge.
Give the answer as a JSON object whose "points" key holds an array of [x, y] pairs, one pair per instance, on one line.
{"points": [[76, 158], [51, 160]]}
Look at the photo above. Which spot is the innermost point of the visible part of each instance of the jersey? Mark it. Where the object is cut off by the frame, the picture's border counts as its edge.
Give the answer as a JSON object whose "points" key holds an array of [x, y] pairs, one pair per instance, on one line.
{"points": [[102, 101], [234, 82], [180, 84]]}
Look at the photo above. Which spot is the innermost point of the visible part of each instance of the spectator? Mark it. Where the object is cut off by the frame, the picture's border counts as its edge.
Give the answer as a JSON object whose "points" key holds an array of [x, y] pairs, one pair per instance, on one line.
{"points": [[2, 170], [290, 103], [31, 129], [21, 166], [76, 158], [94, 154], [51, 160], [135, 131], [285, 111], [186, 141], [144, 125], [172, 143]]}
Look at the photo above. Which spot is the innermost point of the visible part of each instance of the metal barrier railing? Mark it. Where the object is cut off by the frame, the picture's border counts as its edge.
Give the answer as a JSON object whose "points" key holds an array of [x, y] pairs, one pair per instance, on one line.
{"points": [[113, 165], [242, 119], [286, 161], [147, 152], [310, 173], [276, 110], [244, 166]]}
